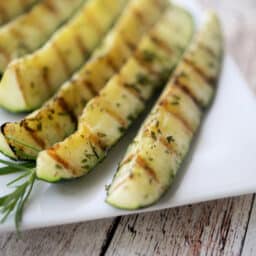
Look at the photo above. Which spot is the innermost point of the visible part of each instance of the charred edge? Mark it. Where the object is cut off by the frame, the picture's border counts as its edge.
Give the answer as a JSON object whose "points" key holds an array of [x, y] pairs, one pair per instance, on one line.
{"points": [[50, 7], [13, 149], [143, 164], [80, 45], [165, 104], [64, 105], [210, 80], [61, 58], [89, 85], [53, 154], [161, 44], [186, 90], [39, 141]]}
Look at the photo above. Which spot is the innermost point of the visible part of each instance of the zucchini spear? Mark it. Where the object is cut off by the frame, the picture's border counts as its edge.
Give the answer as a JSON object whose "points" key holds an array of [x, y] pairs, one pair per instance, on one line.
{"points": [[58, 117], [107, 116], [32, 29], [29, 81], [12, 8], [153, 159]]}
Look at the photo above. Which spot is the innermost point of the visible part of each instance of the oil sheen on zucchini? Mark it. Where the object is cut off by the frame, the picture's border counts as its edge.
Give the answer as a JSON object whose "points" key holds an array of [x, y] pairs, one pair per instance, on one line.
{"points": [[59, 116], [29, 81], [153, 159], [32, 29], [9, 9], [107, 116]]}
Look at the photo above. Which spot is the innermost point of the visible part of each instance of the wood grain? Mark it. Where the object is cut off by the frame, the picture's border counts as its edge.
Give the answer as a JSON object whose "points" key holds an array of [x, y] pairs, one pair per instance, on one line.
{"points": [[201, 229], [79, 239], [224, 227]]}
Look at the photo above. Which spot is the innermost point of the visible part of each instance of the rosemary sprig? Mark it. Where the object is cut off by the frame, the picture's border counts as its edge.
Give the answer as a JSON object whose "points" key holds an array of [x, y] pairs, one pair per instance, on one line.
{"points": [[22, 187]]}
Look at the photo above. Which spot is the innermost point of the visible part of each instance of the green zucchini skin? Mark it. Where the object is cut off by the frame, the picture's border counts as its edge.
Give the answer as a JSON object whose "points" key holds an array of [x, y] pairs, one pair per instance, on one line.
{"points": [[107, 116], [31, 30], [10, 9], [58, 118], [153, 159], [31, 80]]}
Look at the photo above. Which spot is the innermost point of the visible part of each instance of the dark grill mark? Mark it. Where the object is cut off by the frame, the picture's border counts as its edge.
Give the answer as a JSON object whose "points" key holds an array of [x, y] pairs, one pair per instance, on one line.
{"points": [[139, 16], [53, 154], [112, 64], [126, 161], [80, 45], [146, 65], [49, 5], [132, 46], [200, 72], [168, 145], [186, 90], [186, 125], [3, 13], [116, 116], [39, 141], [89, 85], [61, 58], [4, 54], [131, 89], [20, 82], [208, 50], [161, 44], [64, 105], [95, 138], [143, 164]]}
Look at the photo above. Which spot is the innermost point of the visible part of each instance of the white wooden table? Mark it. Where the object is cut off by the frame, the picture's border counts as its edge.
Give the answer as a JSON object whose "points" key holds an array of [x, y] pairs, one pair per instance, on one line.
{"points": [[224, 227]]}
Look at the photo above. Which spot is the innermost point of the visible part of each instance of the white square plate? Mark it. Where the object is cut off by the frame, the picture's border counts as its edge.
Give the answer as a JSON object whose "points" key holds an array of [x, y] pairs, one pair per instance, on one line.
{"points": [[221, 164]]}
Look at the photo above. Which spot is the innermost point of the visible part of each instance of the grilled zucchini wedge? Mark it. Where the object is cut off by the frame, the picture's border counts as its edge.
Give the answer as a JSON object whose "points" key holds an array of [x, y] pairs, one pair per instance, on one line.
{"points": [[153, 159], [32, 29], [107, 116], [58, 117], [30, 81], [11, 8]]}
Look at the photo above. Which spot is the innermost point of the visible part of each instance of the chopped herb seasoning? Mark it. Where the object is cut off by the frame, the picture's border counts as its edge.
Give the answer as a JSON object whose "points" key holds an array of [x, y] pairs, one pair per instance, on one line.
{"points": [[148, 56], [39, 126], [170, 139], [153, 135], [175, 100], [142, 79], [121, 129]]}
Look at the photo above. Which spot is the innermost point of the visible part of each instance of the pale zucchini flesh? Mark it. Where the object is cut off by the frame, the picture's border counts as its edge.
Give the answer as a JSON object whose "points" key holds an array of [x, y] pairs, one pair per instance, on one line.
{"points": [[59, 116], [31, 30], [153, 159], [29, 81], [9, 9], [107, 116]]}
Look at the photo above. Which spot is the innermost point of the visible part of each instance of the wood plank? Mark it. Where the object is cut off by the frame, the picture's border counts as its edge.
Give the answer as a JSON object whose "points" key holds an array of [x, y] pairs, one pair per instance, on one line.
{"points": [[79, 239], [249, 248], [214, 228]]}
